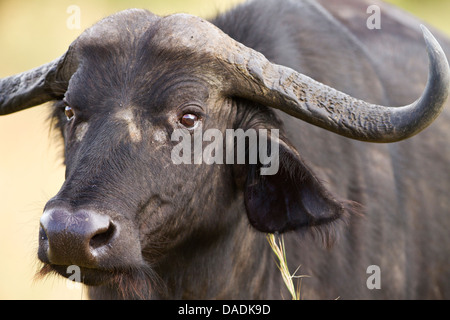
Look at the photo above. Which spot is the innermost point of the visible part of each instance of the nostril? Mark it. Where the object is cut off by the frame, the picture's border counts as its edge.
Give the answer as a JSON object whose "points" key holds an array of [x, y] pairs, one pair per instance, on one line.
{"points": [[103, 237]]}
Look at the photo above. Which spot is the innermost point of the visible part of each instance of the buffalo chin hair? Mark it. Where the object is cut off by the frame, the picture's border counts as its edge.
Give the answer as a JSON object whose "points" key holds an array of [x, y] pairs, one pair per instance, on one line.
{"points": [[133, 283]]}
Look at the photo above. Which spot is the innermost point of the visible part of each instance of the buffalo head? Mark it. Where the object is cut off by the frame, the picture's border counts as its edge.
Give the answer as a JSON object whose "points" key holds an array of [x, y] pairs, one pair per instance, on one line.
{"points": [[127, 215]]}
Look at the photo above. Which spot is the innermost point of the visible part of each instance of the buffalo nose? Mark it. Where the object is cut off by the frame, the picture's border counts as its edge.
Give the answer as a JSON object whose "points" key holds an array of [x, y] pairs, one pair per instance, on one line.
{"points": [[74, 238]]}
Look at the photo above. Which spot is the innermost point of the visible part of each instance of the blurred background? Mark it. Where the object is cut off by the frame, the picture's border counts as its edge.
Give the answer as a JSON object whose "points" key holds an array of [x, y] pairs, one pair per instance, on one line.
{"points": [[32, 33]]}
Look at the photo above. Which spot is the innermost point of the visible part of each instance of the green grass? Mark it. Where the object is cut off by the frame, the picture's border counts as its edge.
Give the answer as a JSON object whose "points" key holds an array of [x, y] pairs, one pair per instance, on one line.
{"points": [[434, 12]]}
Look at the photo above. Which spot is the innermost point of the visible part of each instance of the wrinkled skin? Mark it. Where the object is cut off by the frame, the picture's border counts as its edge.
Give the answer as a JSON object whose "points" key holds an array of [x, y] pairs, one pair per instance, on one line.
{"points": [[194, 231]]}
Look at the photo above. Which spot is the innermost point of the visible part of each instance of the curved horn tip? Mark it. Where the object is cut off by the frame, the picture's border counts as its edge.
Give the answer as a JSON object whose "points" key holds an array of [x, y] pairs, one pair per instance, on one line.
{"points": [[428, 36], [439, 66], [434, 49]]}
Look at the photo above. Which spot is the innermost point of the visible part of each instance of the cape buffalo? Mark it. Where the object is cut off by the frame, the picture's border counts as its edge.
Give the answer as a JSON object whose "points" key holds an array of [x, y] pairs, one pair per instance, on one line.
{"points": [[323, 92]]}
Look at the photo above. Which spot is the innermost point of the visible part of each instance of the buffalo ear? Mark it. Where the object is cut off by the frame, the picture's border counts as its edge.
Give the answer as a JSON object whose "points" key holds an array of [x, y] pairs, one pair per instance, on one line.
{"points": [[291, 199]]}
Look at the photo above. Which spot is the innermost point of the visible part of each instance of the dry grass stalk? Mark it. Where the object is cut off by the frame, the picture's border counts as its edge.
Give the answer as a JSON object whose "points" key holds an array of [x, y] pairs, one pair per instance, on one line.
{"points": [[279, 250]]}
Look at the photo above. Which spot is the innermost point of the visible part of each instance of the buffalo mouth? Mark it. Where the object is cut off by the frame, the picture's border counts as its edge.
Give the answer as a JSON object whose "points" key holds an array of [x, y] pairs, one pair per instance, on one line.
{"points": [[87, 276], [130, 282]]}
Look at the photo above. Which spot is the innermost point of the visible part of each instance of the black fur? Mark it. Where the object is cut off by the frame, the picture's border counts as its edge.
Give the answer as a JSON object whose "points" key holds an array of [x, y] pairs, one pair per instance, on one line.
{"points": [[197, 224]]}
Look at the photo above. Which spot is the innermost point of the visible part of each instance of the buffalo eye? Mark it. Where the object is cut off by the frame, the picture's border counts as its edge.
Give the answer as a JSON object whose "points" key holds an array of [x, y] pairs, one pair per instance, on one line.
{"points": [[69, 113], [189, 120]]}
